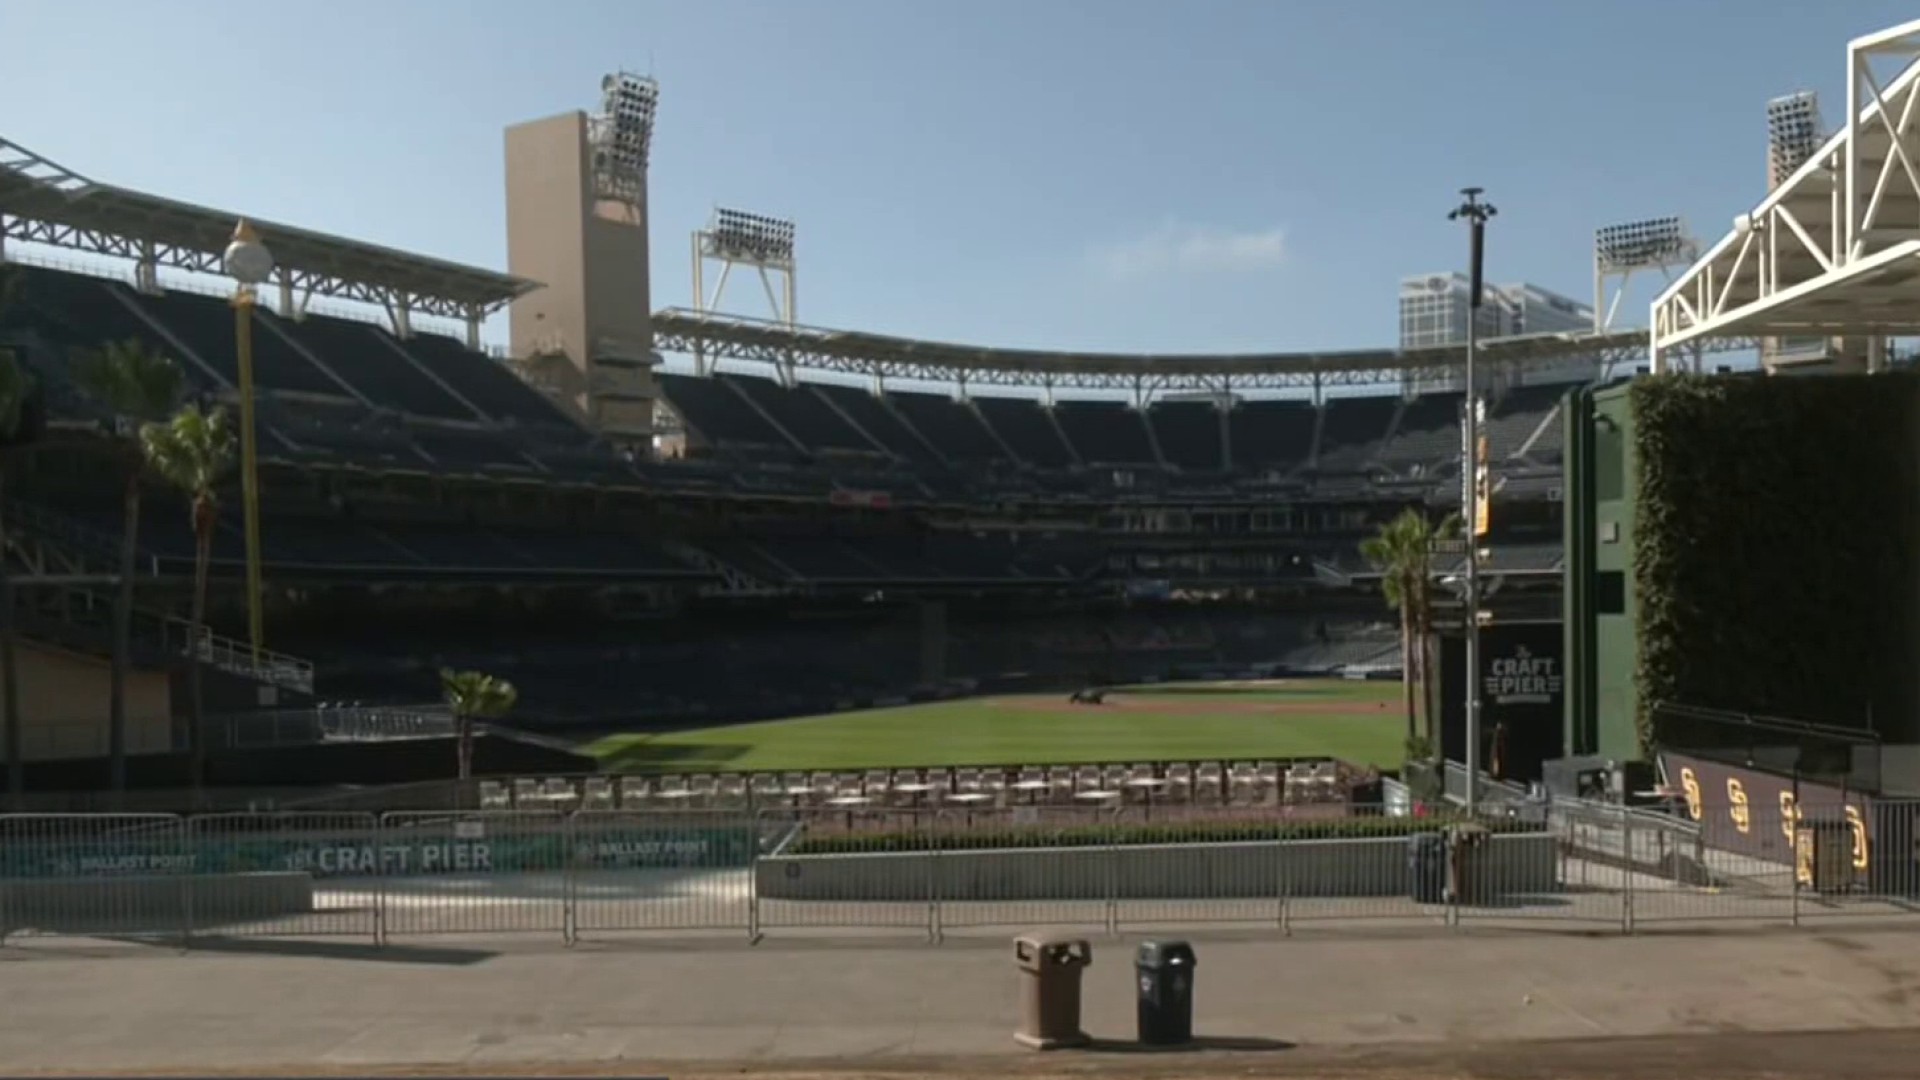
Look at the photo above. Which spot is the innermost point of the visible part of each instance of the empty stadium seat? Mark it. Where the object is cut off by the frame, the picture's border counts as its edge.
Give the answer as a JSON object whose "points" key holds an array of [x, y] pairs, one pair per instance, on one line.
{"points": [[802, 414]]}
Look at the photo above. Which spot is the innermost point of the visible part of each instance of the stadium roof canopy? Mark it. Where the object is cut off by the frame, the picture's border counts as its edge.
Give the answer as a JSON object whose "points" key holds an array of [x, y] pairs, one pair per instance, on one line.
{"points": [[1835, 248], [43, 203], [715, 336]]}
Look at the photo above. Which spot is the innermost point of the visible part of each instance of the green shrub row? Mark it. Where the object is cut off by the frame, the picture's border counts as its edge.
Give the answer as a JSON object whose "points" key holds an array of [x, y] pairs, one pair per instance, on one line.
{"points": [[1131, 833]]}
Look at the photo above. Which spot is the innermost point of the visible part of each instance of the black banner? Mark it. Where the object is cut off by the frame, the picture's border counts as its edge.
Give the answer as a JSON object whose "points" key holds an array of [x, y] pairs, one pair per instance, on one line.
{"points": [[1522, 698]]}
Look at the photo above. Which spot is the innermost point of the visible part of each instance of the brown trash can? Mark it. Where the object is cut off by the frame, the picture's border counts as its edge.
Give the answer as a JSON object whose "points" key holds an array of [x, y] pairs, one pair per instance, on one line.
{"points": [[1050, 968], [1466, 870]]}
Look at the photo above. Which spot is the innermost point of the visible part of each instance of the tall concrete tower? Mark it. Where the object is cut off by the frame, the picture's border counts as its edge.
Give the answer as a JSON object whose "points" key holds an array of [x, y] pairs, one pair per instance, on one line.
{"points": [[577, 222]]}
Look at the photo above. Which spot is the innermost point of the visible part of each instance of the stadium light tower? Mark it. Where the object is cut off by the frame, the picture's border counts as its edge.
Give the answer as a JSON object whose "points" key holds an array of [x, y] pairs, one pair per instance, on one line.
{"points": [[1472, 461], [1660, 244], [736, 238], [1794, 134], [621, 136], [248, 262]]}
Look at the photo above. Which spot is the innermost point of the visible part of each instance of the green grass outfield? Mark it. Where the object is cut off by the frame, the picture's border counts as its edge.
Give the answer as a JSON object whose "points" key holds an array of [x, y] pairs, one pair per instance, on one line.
{"points": [[1358, 722]]}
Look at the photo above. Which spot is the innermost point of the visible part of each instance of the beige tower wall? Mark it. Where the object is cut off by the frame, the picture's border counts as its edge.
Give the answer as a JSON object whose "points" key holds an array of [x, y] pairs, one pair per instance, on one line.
{"points": [[591, 254]]}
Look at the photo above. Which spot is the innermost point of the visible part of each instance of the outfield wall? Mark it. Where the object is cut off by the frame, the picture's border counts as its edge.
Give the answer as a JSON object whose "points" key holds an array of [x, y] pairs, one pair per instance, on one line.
{"points": [[1523, 863]]}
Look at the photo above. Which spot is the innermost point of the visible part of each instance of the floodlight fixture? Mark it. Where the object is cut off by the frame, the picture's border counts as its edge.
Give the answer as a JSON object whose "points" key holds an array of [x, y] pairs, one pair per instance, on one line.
{"points": [[1659, 243], [1794, 133], [621, 134], [1636, 245], [737, 236]]}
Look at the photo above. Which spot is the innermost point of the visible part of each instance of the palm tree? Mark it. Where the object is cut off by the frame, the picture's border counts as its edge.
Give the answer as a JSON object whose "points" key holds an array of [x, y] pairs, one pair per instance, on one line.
{"points": [[140, 386], [16, 388], [1403, 553], [193, 450], [472, 695]]}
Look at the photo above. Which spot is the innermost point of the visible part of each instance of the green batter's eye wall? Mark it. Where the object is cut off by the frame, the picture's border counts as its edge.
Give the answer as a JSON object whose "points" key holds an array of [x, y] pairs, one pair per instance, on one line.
{"points": [[1742, 543]]}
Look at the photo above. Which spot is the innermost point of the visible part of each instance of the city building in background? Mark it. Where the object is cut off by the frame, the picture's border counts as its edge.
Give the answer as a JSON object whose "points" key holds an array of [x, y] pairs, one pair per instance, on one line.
{"points": [[1433, 314]]}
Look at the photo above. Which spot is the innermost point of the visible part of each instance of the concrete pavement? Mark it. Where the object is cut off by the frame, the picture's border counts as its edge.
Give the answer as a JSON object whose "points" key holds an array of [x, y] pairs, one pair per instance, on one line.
{"points": [[494, 1003]]}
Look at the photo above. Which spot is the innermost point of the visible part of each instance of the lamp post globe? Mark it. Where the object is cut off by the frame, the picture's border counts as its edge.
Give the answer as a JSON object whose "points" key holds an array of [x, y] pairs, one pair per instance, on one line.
{"points": [[247, 260]]}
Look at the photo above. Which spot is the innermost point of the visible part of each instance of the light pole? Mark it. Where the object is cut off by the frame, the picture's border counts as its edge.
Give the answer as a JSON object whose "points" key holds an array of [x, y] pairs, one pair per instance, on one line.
{"points": [[249, 264], [1475, 213]]}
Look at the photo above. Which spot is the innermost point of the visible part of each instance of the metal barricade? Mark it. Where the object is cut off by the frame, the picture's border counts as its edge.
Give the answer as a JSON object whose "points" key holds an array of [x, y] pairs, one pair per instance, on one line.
{"points": [[846, 868], [287, 874], [1733, 864], [999, 866], [475, 873], [123, 875], [651, 870]]}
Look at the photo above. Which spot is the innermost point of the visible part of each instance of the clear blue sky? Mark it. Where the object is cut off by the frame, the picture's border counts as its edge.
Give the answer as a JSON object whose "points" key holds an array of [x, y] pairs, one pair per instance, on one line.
{"points": [[1102, 174]]}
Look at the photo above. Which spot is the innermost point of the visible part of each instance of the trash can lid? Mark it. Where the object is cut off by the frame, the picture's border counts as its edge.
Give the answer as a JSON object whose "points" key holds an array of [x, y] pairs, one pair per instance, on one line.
{"points": [[1158, 954], [1042, 939]]}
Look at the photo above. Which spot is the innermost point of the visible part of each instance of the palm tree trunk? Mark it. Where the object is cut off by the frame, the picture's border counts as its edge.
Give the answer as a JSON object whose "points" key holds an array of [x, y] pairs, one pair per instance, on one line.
{"points": [[1429, 677], [463, 747], [1409, 669], [203, 522], [122, 638], [9, 673]]}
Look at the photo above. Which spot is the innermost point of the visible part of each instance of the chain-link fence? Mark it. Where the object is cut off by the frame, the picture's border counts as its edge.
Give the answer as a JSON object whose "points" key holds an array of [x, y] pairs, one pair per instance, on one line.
{"points": [[859, 869]]}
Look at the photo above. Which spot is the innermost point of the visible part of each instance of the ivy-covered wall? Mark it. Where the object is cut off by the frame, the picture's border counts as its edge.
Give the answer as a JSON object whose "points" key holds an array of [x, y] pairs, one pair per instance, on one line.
{"points": [[1776, 559]]}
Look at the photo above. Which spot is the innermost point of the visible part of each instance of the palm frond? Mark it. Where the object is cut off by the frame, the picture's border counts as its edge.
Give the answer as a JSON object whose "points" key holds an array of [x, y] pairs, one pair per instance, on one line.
{"points": [[130, 378], [193, 450], [477, 695]]}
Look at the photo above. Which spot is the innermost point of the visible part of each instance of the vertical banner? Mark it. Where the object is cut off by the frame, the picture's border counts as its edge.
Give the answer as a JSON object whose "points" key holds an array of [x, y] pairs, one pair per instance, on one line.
{"points": [[1483, 490]]}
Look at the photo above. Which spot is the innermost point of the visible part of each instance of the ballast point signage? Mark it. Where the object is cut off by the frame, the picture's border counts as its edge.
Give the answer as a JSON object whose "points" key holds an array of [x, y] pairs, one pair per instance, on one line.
{"points": [[465, 851], [1521, 676]]}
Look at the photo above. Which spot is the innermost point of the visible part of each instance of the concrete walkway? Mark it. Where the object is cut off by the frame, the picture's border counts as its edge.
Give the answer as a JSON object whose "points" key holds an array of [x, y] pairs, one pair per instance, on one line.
{"points": [[492, 1004]]}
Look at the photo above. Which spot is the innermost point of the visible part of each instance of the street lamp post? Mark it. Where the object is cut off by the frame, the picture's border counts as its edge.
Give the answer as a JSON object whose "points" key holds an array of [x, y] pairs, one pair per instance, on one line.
{"points": [[249, 263], [1475, 213]]}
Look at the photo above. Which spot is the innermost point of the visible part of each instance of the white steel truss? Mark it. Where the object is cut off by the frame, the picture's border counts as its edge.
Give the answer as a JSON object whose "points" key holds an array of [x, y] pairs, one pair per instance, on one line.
{"points": [[42, 202], [879, 358], [1835, 249]]}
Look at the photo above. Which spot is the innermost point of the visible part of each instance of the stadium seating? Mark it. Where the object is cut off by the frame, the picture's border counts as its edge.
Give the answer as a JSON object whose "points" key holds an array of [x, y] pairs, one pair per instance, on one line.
{"points": [[1352, 430], [1106, 432], [359, 353], [952, 427], [1518, 415], [485, 382], [1272, 435], [1027, 429], [876, 418], [801, 414], [717, 414], [1428, 432], [1188, 433]]}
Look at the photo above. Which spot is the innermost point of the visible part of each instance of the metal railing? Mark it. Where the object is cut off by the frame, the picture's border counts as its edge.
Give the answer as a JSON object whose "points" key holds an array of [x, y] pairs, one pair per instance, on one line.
{"points": [[324, 724], [586, 866]]}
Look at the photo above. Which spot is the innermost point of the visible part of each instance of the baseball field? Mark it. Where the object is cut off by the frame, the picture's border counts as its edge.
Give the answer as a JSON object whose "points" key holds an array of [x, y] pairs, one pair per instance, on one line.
{"points": [[1356, 722]]}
